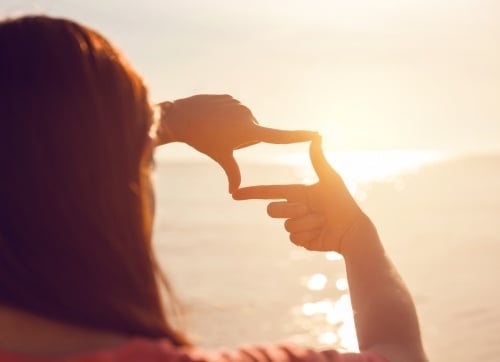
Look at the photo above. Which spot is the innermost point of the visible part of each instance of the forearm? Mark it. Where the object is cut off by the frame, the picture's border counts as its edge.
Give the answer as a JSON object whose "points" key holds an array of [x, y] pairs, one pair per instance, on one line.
{"points": [[383, 308]]}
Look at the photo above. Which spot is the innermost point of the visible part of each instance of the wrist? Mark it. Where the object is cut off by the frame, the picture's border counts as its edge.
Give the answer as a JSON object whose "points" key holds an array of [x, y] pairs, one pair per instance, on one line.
{"points": [[165, 134], [362, 237]]}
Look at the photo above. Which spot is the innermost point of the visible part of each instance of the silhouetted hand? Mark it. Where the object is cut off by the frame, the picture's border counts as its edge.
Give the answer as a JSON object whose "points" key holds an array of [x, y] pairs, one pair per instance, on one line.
{"points": [[216, 125], [319, 215]]}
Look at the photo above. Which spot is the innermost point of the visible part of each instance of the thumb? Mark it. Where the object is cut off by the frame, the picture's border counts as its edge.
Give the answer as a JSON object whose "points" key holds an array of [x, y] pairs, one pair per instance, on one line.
{"points": [[231, 168], [318, 159]]}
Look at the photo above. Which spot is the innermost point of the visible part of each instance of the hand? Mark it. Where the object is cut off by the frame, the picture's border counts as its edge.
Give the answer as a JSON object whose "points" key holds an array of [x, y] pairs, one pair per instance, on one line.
{"points": [[319, 215], [216, 125]]}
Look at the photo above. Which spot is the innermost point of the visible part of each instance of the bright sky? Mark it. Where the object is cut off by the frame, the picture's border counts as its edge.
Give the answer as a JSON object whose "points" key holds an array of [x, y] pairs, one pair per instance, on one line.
{"points": [[369, 74]]}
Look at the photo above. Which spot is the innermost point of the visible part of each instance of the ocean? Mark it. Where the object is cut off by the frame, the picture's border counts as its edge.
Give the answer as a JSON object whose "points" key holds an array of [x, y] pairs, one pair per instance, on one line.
{"points": [[241, 281]]}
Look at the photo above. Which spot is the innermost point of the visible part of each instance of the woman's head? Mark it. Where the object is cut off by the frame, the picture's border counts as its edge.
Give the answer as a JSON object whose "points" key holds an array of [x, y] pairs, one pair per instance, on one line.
{"points": [[74, 225]]}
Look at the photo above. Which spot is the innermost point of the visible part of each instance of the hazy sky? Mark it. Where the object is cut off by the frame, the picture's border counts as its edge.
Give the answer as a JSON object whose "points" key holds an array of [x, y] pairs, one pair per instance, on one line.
{"points": [[368, 74]]}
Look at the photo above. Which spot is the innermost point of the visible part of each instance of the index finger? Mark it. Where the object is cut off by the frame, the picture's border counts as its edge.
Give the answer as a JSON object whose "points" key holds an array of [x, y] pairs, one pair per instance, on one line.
{"points": [[269, 192], [280, 136]]}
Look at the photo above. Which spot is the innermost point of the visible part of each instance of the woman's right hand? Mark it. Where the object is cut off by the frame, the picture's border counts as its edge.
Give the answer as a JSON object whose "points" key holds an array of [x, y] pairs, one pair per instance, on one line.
{"points": [[318, 216]]}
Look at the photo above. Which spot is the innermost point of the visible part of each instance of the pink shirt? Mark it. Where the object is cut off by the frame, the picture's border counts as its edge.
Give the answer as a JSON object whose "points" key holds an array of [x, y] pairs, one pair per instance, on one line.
{"points": [[143, 350]]}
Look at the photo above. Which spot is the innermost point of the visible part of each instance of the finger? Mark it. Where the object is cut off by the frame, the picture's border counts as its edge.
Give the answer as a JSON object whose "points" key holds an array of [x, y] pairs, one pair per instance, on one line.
{"points": [[304, 238], [272, 135], [311, 222], [232, 170], [268, 192], [318, 159], [286, 210]]}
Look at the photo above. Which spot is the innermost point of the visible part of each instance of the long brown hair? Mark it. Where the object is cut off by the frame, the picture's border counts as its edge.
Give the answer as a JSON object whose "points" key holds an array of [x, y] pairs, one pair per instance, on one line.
{"points": [[75, 240]]}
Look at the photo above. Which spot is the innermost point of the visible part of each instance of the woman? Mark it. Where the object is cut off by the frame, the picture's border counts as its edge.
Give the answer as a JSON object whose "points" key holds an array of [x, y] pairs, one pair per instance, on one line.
{"points": [[78, 278]]}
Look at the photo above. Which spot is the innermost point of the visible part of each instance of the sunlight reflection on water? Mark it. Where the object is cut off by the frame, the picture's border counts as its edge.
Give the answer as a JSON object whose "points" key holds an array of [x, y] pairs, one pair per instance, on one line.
{"points": [[331, 255], [337, 329], [317, 282], [341, 284], [333, 319], [363, 167]]}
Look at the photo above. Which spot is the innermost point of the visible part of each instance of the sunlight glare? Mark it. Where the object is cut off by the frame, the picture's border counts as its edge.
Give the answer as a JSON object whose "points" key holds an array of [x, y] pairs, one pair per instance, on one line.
{"points": [[342, 284], [363, 167], [369, 166], [341, 311], [308, 309], [340, 329], [317, 282], [319, 307], [328, 338], [347, 335], [332, 256]]}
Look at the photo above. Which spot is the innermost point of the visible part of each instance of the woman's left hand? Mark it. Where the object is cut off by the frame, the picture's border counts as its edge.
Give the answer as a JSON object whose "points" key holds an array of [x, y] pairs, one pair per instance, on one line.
{"points": [[216, 125]]}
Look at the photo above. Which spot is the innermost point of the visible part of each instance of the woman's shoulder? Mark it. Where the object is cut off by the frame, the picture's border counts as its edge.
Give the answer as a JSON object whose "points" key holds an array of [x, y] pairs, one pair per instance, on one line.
{"points": [[140, 349]]}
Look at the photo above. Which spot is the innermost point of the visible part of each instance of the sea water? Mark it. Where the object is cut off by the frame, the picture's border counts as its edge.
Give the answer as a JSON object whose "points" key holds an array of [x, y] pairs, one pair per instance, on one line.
{"points": [[241, 281]]}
